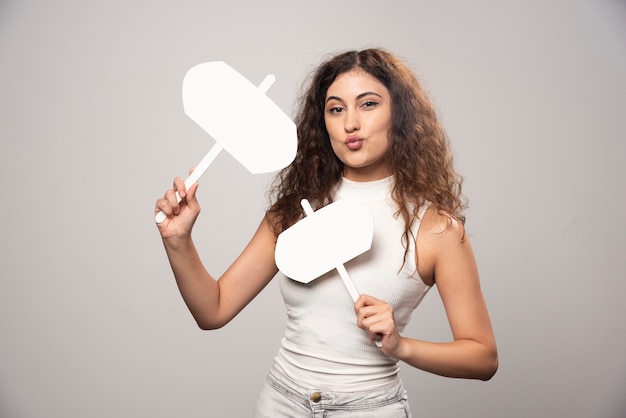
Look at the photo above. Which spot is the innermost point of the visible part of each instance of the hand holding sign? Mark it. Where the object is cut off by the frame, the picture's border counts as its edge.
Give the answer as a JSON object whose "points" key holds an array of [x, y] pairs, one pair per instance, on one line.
{"points": [[241, 119]]}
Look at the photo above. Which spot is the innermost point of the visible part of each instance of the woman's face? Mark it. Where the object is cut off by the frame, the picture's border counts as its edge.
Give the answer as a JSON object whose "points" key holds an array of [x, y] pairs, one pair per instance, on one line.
{"points": [[357, 114]]}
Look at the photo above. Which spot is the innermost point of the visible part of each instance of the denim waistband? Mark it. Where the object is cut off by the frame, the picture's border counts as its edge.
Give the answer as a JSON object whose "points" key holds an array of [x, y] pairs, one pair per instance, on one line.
{"points": [[322, 399]]}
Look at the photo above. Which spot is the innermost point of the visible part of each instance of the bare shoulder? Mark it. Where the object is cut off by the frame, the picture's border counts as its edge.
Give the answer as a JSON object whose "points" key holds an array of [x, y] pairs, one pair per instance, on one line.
{"points": [[440, 225], [440, 236]]}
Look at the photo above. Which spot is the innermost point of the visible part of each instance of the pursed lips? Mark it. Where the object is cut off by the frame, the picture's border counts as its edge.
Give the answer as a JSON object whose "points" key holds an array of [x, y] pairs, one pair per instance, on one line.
{"points": [[353, 142]]}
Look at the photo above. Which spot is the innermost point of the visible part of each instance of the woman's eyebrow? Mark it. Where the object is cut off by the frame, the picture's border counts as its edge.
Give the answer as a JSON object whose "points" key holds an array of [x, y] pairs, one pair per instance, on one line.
{"points": [[360, 96], [333, 98], [367, 93]]}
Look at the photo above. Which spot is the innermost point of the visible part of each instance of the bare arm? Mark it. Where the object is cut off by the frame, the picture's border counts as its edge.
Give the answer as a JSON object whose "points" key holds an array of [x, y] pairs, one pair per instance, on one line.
{"points": [[213, 303], [449, 261]]}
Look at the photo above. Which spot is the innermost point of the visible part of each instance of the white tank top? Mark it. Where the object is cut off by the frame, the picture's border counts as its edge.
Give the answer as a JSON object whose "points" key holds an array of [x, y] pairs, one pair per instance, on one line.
{"points": [[323, 347]]}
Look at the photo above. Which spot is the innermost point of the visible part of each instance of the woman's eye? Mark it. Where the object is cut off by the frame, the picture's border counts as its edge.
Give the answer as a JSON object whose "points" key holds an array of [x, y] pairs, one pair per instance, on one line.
{"points": [[335, 109], [369, 104]]}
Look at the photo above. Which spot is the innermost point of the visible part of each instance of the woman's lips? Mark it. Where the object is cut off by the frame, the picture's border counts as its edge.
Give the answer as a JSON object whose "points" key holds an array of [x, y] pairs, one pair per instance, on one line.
{"points": [[354, 143]]}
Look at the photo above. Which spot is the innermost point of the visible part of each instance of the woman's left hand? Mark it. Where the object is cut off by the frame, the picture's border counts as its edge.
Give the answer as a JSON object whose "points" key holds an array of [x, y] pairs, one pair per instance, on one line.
{"points": [[376, 317]]}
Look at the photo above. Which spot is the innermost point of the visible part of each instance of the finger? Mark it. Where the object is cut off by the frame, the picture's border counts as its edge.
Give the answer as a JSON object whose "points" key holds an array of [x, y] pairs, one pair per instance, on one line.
{"points": [[162, 205], [191, 170], [369, 313], [179, 187], [378, 319], [375, 332], [172, 200], [365, 300], [366, 317], [191, 199]]}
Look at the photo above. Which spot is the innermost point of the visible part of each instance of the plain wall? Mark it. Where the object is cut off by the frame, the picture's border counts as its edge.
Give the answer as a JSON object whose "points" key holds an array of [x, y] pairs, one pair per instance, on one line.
{"points": [[533, 96]]}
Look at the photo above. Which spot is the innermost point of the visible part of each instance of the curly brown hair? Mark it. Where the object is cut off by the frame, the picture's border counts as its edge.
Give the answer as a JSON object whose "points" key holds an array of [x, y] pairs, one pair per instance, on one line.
{"points": [[419, 155]]}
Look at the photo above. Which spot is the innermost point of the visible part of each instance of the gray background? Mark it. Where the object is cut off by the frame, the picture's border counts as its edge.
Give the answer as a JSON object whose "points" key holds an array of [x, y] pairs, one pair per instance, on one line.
{"points": [[533, 94]]}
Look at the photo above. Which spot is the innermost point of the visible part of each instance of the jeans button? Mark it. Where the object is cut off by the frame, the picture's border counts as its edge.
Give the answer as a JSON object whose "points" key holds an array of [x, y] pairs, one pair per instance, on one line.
{"points": [[316, 397]]}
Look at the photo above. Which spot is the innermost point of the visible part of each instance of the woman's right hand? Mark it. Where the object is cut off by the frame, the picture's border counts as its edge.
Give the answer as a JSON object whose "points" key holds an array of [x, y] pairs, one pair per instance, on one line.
{"points": [[182, 215]]}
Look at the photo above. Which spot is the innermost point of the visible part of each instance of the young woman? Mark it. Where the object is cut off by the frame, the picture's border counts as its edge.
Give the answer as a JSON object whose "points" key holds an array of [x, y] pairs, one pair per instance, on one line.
{"points": [[366, 131]]}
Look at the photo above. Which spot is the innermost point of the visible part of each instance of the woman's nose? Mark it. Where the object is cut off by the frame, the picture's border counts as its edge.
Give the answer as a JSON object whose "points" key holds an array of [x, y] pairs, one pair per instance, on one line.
{"points": [[351, 122]]}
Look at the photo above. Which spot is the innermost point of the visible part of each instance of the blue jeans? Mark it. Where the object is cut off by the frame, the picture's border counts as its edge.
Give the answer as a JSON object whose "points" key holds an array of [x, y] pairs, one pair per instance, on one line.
{"points": [[282, 398]]}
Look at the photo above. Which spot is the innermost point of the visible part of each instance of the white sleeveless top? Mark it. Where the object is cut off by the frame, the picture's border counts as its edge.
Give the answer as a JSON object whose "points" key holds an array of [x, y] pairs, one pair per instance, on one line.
{"points": [[323, 347]]}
